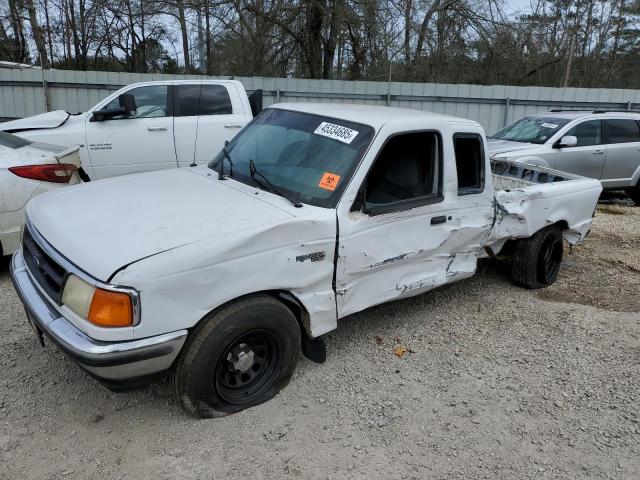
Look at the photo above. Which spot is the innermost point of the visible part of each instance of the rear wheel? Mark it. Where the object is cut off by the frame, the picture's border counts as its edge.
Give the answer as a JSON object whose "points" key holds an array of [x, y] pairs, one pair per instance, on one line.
{"points": [[238, 357], [536, 260], [634, 193]]}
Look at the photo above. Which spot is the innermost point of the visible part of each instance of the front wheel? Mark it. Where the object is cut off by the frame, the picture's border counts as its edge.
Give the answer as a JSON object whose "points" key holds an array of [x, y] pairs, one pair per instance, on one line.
{"points": [[238, 357], [536, 260]]}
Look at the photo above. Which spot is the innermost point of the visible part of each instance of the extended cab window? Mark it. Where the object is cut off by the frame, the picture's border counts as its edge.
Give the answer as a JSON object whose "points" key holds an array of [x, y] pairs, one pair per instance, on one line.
{"points": [[469, 162], [151, 101], [623, 131], [406, 173], [201, 99], [587, 133]]}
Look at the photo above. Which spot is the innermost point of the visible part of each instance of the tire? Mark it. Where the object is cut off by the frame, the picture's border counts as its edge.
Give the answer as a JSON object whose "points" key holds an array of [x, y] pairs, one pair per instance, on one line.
{"points": [[634, 193], [237, 357], [536, 260]]}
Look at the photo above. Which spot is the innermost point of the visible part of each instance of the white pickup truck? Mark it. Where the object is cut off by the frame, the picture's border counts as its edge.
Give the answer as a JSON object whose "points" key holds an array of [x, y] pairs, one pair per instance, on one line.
{"points": [[221, 273], [147, 126]]}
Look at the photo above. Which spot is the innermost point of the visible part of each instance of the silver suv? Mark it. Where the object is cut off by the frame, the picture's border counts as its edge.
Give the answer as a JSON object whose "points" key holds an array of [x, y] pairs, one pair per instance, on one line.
{"points": [[599, 144]]}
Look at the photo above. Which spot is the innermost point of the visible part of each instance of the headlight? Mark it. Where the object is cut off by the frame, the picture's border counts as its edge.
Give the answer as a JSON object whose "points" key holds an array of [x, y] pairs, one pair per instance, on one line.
{"points": [[103, 308]]}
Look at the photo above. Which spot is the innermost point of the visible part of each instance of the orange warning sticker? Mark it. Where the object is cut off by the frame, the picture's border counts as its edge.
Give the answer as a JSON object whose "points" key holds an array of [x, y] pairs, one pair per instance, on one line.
{"points": [[329, 181]]}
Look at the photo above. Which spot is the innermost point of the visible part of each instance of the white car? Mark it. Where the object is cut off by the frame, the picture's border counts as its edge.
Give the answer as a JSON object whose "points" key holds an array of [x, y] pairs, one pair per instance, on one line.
{"points": [[26, 170], [147, 126], [321, 211]]}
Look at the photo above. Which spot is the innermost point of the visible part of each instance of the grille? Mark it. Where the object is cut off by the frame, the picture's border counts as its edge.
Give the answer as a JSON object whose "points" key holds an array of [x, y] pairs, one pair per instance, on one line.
{"points": [[49, 274]]}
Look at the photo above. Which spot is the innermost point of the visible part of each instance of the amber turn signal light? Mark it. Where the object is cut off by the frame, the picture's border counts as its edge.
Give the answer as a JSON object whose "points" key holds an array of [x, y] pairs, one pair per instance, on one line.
{"points": [[110, 309]]}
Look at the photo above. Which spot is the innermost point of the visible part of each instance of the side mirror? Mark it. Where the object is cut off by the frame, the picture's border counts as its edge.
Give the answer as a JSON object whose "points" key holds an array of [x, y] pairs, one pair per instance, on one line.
{"points": [[566, 141], [128, 102], [127, 107]]}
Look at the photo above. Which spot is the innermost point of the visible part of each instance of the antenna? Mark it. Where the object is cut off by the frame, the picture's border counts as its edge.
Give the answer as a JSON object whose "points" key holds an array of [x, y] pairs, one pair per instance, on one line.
{"points": [[195, 144]]}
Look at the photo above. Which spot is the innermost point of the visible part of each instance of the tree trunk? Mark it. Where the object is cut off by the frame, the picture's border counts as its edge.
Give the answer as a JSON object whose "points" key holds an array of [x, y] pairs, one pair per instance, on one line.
{"points": [[314, 16], [331, 42], [185, 34], [38, 37]]}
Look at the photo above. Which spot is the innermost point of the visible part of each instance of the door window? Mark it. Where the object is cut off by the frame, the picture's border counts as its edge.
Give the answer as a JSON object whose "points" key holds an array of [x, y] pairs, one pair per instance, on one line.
{"points": [[151, 101], [587, 133], [406, 173], [202, 99], [469, 162], [623, 131]]}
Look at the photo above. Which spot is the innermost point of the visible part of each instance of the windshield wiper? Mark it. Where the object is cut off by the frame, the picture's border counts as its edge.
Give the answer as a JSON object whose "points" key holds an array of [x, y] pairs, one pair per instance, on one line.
{"points": [[225, 152], [271, 187]]}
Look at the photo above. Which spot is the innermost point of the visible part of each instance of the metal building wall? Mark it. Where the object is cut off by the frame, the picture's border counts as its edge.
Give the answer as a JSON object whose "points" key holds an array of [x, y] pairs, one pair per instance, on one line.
{"points": [[22, 94]]}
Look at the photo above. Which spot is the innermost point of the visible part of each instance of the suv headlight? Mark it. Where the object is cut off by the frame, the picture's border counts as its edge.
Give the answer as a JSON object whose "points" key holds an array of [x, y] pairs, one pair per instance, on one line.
{"points": [[104, 308]]}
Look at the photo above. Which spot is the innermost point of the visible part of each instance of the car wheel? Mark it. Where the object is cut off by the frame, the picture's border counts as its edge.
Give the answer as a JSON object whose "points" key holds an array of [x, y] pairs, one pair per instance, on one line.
{"points": [[536, 260], [634, 193], [237, 357]]}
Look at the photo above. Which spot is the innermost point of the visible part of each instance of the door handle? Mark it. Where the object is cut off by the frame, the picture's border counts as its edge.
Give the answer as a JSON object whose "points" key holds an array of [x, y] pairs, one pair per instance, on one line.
{"points": [[438, 220], [598, 152], [232, 125], [157, 129]]}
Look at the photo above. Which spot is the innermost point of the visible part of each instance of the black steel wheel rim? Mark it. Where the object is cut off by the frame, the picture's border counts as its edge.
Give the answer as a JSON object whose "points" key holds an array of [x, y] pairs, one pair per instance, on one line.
{"points": [[248, 367], [550, 259]]}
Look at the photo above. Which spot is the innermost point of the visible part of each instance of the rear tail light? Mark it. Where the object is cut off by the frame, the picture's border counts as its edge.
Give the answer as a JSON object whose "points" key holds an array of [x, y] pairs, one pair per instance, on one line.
{"points": [[50, 172]]}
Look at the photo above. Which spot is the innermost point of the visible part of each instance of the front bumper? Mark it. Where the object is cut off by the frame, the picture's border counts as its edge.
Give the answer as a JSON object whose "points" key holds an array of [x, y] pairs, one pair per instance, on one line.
{"points": [[117, 364]]}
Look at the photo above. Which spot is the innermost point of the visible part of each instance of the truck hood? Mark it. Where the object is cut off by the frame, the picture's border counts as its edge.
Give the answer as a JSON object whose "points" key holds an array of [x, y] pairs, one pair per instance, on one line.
{"points": [[44, 120], [106, 225], [496, 147]]}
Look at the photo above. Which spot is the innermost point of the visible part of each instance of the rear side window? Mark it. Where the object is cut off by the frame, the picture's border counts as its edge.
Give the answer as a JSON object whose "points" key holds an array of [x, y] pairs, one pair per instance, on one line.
{"points": [[623, 131], [469, 162], [12, 141], [201, 99]]}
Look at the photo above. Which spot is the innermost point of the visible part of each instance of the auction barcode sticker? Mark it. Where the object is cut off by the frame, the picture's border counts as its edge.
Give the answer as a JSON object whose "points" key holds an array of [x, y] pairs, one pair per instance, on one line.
{"points": [[337, 132]]}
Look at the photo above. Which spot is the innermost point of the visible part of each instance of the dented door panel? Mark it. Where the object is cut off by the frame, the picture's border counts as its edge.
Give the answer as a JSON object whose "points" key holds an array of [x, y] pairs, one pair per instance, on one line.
{"points": [[401, 254]]}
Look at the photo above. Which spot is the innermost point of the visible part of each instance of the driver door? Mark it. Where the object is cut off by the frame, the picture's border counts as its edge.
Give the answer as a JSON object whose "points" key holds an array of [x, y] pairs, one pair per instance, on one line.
{"points": [[404, 238], [137, 143]]}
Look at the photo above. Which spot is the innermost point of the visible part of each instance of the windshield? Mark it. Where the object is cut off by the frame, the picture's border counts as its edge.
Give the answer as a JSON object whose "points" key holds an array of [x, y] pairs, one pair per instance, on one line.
{"points": [[531, 129], [307, 157], [13, 141]]}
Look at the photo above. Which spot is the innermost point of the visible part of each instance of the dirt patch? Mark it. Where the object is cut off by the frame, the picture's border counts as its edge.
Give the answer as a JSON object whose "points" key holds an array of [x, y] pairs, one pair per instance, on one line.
{"points": [[478, 379], [603, 272], [612, 210]]}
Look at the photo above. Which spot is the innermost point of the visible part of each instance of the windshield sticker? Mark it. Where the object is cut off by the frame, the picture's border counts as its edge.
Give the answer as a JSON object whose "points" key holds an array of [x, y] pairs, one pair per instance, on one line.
{"points": [[329, 181], [331, 130], [549, 125]]}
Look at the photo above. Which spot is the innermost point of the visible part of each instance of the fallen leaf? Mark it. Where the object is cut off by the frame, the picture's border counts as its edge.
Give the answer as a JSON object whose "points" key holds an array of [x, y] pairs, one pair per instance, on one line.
{"points": [[378, 339], [400, 351]]}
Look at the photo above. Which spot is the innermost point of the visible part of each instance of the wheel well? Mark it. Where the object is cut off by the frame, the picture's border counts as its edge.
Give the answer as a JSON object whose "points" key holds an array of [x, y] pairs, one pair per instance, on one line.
{"points": [[284, 296], [507, 249]]}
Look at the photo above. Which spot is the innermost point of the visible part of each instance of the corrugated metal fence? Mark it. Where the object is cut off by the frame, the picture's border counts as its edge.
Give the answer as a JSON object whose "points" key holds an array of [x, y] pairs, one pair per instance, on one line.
{"points": [[28, 92]]}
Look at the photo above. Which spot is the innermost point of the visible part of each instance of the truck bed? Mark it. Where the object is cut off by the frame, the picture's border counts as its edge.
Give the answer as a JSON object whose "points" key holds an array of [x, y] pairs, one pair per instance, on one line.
{"points": [[508, 175], [529, 198]]}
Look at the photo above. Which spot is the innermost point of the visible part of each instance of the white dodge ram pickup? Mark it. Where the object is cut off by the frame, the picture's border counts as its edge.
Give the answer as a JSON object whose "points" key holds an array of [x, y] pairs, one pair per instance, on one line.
{"points": [[147, 126], [221, 273]]}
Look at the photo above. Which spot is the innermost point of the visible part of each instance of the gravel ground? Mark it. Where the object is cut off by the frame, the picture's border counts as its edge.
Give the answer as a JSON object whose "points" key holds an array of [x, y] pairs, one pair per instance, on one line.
{"points": [[498, 382]]}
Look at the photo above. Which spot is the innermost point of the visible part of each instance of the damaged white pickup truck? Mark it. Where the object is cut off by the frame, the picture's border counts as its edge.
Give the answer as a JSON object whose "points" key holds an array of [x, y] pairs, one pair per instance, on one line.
{"points": [[221, 273]]}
